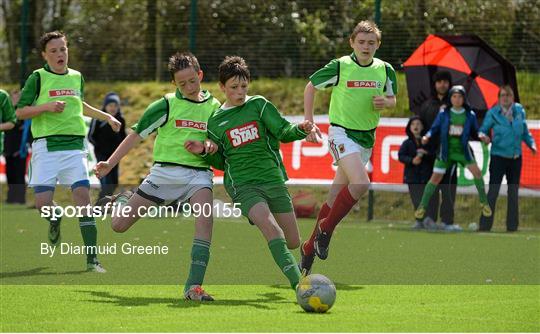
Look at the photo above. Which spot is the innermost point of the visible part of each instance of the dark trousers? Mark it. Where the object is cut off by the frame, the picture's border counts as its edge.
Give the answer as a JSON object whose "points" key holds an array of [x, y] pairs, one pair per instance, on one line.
{"points": [[447, 189], [499, 167], [416, 191], [110, 181], [15, 171]]}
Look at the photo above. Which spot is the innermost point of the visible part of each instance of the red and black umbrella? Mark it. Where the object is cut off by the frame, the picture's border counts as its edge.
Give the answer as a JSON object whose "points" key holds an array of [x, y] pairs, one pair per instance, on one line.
{"points": [[471, 62]]}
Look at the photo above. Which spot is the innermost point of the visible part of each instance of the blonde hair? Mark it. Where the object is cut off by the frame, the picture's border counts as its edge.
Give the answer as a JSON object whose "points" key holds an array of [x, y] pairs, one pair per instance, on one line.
{"points": [[366, 26]]}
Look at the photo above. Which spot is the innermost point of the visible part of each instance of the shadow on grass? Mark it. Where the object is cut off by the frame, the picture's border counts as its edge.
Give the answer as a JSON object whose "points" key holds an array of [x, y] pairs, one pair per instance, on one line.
{"points": [[263, 301], [39, 271], [339, 287]]}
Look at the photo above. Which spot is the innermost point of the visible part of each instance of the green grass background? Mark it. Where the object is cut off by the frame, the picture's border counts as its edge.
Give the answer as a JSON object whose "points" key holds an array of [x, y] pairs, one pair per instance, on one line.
{"points": [[388, 278]]}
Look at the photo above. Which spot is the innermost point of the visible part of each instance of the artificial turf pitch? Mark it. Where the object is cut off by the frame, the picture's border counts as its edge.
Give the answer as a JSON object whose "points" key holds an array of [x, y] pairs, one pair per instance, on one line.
{"points": [[388, 278]]}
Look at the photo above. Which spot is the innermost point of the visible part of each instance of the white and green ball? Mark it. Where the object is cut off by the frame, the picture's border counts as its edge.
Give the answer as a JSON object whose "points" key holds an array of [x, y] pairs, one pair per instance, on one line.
{"points": [[316, 293]]}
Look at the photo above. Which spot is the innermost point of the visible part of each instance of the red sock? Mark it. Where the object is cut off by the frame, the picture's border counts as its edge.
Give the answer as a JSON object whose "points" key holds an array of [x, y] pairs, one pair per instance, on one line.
{"points": [[342, 205], [307, 247]]}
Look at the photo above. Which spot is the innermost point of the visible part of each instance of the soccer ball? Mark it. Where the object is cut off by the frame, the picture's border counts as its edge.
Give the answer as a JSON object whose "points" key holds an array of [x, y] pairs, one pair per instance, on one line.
{"points": [[316, 293]]}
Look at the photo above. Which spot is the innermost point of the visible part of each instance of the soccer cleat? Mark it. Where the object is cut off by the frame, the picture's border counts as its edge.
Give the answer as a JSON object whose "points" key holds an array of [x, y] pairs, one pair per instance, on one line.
{"points": [[122, 197], [420, 213], [54, 233], [197, 293], [486, 210], [95, 267], [322, 242], [306, 261], [104, 200]]}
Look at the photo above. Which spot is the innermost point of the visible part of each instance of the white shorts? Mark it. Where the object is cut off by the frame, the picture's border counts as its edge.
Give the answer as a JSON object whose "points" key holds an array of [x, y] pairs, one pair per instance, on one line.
{"points": [[169, 183], [340, 145], [59, 167]]}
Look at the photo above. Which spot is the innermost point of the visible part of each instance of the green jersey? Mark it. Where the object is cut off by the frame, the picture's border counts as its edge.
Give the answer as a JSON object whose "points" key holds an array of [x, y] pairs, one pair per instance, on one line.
{"points": [[248, 137], [354, 86], [177, 119], [65, 130], [7, 114], [457, 121]]}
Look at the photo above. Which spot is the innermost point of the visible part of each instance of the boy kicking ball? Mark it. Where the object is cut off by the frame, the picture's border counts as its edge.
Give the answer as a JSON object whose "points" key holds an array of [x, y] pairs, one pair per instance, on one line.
{"points": [[248, 131], [176, 174], [53, 98]]}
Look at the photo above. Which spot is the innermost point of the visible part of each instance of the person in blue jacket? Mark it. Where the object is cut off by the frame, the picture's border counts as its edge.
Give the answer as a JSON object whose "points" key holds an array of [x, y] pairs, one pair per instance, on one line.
{"points": [[509, 129], [455, 125]]}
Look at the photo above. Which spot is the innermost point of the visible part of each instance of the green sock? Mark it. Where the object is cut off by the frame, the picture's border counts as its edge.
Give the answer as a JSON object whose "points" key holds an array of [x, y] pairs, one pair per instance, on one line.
{"points": [[285, 260], [89, 235], [200, 255], [428, 192], [479, 183]]}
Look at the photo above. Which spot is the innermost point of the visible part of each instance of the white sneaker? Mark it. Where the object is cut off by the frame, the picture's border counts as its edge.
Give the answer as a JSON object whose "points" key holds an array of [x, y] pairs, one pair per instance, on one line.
{"points": [[453, 228], [430, 224], [418, 225], [95, 267]]}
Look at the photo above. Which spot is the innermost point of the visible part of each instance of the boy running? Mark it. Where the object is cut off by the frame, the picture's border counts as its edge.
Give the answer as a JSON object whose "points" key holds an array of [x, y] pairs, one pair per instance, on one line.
{"points": [[455, 125], [362, 87], [176, 174], [248, 130], [53, 97]]}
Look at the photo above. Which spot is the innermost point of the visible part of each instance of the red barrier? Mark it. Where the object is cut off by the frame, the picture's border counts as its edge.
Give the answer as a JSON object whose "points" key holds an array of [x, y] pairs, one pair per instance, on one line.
{"points": [[309, 163]]}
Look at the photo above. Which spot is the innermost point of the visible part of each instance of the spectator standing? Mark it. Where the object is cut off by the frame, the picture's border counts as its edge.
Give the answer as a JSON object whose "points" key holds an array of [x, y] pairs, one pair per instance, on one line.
{"points": [[15, 148], [509, 129], [105, 141], [418, 160], [442, 81]]}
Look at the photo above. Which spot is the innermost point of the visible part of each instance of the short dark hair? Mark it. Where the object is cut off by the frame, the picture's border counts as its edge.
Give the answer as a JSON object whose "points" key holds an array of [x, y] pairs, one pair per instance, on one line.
{"points": [[442, 75], [233, 66], [47, 37], [182, 60]]}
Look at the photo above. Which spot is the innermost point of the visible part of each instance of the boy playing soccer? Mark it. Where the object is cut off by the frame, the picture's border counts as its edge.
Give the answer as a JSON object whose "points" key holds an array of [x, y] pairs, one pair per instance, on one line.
{"points": [[455, 125], [248, 130], [176, 174], [362, 86], [53, 98]]}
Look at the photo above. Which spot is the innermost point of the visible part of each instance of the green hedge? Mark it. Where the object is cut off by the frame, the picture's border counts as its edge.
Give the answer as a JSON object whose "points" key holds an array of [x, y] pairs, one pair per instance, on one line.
{"points": [[285, 93]]}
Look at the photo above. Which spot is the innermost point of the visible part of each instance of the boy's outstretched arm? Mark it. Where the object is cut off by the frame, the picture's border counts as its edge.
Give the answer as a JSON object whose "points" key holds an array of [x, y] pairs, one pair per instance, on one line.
{"points": [[209, 151], [90, 111], [435, 128], [104, 167], [474, 130], [309, 98], [282, 129]]}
